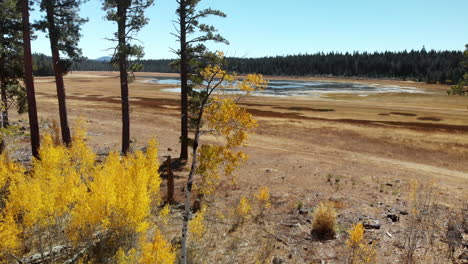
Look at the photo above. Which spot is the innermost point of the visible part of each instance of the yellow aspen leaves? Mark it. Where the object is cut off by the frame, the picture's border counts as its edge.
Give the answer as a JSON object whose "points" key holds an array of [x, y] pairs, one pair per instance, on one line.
{"points": [[9, 236], [244, 208], [159, 251], [164, 214], [361, 250], [263, 197], [48, 192], [125, 258], [66, 191], [252, 82], [120, 195], [356, 235], [230, 120], [197, 225]]}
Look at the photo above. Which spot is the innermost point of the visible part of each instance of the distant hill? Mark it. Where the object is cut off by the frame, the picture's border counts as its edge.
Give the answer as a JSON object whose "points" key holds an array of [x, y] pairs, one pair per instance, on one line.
{"points": [[104, 58]]}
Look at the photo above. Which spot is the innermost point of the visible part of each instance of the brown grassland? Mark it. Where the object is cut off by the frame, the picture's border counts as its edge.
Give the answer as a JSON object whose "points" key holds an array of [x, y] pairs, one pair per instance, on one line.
{"points": [[358, 152]]}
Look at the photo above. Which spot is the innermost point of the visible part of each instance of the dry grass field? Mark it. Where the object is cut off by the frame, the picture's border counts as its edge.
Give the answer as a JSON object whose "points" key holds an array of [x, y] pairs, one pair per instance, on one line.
{"points": [[360, 153]]}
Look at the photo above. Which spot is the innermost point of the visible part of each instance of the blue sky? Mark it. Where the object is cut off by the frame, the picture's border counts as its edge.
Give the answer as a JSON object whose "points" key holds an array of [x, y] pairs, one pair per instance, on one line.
{"points": [[257, 28]]}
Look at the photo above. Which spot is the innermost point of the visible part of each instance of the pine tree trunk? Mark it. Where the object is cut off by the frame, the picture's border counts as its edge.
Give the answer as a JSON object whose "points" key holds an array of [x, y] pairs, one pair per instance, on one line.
{"points": [[4, 111], [183, 84], [58, 72], [122, 58], [5, 122], [29, 80]]}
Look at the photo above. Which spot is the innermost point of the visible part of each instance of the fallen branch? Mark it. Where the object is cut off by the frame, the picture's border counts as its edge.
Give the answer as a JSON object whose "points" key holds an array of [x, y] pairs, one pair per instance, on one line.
{"points": [[56, 251]]}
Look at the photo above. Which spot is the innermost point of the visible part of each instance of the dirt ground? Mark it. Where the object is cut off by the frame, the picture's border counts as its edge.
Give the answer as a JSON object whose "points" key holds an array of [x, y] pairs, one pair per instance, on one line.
{"points": [[361, 152]]}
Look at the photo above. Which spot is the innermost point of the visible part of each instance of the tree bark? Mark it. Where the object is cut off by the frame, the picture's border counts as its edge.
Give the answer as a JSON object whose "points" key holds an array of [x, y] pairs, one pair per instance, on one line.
{"points": [[5, 122], [183, 83], [122, 58], [58, 72], [170, 181], [4, 110], [29, 80]]}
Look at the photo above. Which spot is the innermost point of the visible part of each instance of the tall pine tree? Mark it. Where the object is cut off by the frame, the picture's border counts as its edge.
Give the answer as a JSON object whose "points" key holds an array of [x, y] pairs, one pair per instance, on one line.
{"points": [[130, 18], [462, 87], [191, 34], [11, 69], [29, 79], [62, 23]]}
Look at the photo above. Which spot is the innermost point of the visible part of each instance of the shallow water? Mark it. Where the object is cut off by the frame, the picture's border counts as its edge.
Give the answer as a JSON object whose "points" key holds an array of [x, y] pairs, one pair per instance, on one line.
{"points": [[302, 88]]}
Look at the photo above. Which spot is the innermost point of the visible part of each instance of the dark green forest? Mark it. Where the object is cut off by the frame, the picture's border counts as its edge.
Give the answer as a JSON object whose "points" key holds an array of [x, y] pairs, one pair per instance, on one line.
{"points": [[423, 66]]}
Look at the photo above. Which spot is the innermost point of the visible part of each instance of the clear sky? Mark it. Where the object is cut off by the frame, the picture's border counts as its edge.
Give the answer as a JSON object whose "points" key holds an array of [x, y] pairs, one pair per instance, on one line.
{"points": [[257, 28]]}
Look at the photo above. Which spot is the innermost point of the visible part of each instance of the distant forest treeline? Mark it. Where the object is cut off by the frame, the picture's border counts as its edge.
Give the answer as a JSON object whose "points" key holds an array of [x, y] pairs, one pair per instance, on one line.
{"points": [[424, 66]]}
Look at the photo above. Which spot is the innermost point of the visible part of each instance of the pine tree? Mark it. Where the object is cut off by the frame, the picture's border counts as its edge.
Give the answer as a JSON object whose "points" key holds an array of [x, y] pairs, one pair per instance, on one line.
{"points": [[130, 18], [191, 53], [11, 70], [462, 87], [62, 23], [29, 79]]}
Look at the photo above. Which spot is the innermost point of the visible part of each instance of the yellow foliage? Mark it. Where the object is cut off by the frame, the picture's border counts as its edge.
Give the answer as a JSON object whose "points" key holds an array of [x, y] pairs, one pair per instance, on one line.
{"points": [[252, 83], [244, 208], [120, 195], [82, 155], [230, 120], [213, 72], [356, 234], [164, 214], [210, 159], [48, 192], [197, 225], [224, 117], [126, 258], [324, 222], [263, 196], [362, 252], [158, 252], [67, 191], [9, 236]]}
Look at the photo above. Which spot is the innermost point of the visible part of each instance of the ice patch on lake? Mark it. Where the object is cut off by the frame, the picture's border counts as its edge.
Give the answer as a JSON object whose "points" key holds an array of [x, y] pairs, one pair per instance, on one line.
{"points": [[307, 88]]}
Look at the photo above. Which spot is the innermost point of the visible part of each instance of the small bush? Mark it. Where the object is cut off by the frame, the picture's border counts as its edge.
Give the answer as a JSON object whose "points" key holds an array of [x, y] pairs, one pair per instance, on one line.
{"points": [[244, 208], [361, 250], [324, 223]]}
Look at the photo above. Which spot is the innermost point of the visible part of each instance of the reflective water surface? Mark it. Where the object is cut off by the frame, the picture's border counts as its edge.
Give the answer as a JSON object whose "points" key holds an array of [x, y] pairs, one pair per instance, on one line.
{"points": [[298, 88]]}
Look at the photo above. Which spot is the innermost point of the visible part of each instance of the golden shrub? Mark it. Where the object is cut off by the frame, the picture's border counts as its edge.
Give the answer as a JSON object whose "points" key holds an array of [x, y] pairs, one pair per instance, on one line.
{"points": [[121, 257], [356, 235], [197, 226], [263, 196], [9, 236], [244, 208], [67, 192], [120, 195], [324, 221], [159, 251], [361, 251]]}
